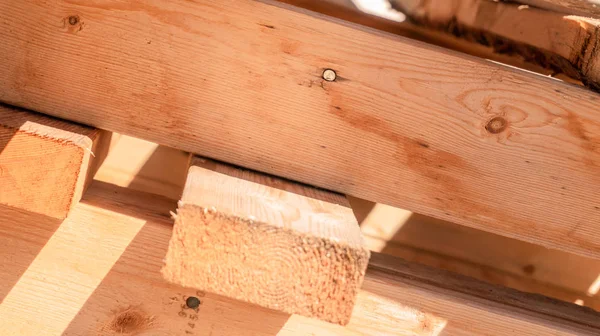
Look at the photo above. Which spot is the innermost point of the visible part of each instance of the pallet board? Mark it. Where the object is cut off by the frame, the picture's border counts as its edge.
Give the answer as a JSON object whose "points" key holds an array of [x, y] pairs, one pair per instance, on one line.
{"points": [[478, 254], [46, 163], [268, 241], [577, 7], [566, 44], [404, 124], [56, 290], [139, 165]]}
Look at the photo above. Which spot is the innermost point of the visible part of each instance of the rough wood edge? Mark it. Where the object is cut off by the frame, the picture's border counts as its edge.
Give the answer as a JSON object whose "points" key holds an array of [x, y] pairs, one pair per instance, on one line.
{"points": [[340, 257]]}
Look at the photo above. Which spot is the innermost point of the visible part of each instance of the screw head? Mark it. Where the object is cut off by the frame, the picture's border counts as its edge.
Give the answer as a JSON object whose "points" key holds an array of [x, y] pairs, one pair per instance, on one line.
{"points": [[192, 302], [329, 75]]}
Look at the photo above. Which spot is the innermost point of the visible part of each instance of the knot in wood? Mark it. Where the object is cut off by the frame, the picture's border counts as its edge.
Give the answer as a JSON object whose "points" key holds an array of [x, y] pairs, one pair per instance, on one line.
{"points": [[496, 125]]}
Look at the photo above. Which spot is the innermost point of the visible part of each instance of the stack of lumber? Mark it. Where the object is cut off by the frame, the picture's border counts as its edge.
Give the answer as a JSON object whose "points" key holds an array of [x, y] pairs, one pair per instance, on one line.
{"points": [[276, 116]]}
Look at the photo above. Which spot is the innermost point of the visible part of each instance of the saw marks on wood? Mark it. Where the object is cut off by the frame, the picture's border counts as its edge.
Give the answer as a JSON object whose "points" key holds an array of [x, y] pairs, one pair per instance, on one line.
{"points": [[45, 163], [267, 241]]}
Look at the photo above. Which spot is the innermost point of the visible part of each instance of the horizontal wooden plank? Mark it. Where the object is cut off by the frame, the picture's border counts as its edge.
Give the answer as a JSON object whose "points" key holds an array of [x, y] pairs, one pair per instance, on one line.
{"points": [[57, 290], [508, 262], [404, 124], [478, 254], [576, 7], [46, 163]]}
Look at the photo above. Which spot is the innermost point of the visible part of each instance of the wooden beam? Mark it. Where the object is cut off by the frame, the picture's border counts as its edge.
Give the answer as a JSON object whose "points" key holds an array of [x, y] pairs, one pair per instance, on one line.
{"points": [[46, 163], [267, 241], [576, 7], [57, 291], [562, 43], [404, 124], [465, 43], [139, 165], [478, 254]]}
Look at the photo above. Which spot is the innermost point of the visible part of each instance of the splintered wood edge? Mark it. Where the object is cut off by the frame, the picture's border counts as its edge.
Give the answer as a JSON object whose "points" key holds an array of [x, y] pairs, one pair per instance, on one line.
{"points": [[47, 127], [208, 242], [89, 139]]}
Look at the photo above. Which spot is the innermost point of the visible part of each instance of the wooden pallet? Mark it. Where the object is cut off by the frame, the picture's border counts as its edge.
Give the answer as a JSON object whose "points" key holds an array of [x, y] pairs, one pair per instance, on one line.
{"points": [[296, 110]]}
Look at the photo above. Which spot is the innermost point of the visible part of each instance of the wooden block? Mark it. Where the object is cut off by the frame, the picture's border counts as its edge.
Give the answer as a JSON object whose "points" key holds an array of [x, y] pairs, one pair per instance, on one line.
{"points": [[267, 241], [45, 163], [404, 124], [58, 291]]}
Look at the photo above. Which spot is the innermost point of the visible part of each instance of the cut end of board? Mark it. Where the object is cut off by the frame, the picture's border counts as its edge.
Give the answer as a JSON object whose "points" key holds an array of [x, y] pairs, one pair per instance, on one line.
{"points": [[45, 163], [267, 241]]}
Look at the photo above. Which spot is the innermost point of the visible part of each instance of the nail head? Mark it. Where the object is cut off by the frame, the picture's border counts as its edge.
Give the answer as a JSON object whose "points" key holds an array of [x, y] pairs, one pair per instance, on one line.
{"points": [[192, 302], [329, 75]]}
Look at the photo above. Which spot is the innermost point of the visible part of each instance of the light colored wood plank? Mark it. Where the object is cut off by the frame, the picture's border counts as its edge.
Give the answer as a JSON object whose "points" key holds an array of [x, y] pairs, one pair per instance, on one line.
{"points": [[406, 124], [479, 254], [46, 163], [563, 43], [347, 10], [267, 241], [145, 166], [60, 292], [576, 7], [413, 237]]}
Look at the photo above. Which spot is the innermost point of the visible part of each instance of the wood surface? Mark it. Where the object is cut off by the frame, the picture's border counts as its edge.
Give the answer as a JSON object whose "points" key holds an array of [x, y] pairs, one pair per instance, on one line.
{"points": [[588, 8], [145, 166], [347, 10], [562, 43], [478, 254], [45, 163], [50, 287], [267, 241], [405, 124]]}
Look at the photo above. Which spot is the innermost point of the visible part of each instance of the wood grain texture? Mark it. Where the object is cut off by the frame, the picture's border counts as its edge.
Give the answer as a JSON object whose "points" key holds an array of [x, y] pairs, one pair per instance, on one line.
{"points": [[478, 254], [577, 7], [406, 124], [562, 43], [267, 241], [145, 166], [45, 163], [126, 233], [413, 237], [348, 11]]}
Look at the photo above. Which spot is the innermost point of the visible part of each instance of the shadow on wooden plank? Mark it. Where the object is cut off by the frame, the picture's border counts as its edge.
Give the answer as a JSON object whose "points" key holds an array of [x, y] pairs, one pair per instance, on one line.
{"points": [[16, 253], [164, 172], [481, 255], [133, 297]]}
